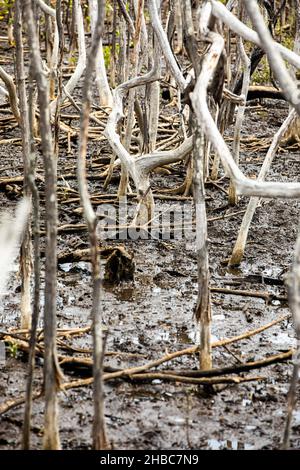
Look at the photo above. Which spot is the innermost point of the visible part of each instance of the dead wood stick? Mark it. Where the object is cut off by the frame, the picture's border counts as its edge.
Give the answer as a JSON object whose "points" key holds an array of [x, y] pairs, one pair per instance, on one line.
{"points": [[73, 331], [16, 179], [13, 140], [185, 373], [169, 378], [10, 404], [6, 406], [70, 228], [60, 331], [193, 380], [237, 369], [258, 92], [225, 216], [188, 351], [84, 254], [267, 296], [13, 99], [23, 345]]}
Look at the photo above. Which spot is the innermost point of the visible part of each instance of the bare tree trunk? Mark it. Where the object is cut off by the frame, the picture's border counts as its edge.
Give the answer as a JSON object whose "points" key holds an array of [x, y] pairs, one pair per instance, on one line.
{"points": [[124, 181], [26, 254], [293, 135], [153, 100], [240, 244], [276, 59], [105, 94], [26, 249], [99, 434], [178, 25], [81, 63], [246, 66], [135, 60], [293, 283], [51, 369], [203, 308], [35, 314]]}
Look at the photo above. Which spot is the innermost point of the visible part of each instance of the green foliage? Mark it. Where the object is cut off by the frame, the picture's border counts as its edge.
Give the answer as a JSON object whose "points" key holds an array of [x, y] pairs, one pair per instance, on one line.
{"points": [[13, 349], [288, 42], [5, 5], [108, 10], [261, 75], [72, 60], [107, 54]]}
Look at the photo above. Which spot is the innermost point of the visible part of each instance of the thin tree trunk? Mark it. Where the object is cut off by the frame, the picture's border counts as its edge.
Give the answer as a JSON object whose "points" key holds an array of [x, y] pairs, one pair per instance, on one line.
{"points": [[99, 434], [26, 249], [203, 308], [51, 369], [246, 65], [293, 283], [26, 255], [105, 95]]}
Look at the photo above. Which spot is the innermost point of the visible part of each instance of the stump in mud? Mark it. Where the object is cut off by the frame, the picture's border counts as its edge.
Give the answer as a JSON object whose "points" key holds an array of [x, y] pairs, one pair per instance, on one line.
{"points": [[119, 267]]}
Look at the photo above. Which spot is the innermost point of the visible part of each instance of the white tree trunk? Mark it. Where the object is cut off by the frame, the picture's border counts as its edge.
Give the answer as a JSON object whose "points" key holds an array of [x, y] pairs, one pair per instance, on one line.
{"points": [[105, 95]]}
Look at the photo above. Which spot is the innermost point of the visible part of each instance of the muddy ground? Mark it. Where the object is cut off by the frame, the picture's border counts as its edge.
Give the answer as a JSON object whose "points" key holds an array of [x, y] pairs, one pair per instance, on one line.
{"points": [[152, 315]]}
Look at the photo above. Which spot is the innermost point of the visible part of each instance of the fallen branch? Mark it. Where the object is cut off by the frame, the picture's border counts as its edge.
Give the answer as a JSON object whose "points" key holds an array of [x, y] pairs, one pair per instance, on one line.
{"points": [[236, 369], [267, 296], [11, 404], [192, 380]]}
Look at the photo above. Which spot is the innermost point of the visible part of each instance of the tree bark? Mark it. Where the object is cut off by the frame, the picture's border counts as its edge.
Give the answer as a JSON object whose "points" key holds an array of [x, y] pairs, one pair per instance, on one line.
{"points": [[52, 373], [99, 433]]}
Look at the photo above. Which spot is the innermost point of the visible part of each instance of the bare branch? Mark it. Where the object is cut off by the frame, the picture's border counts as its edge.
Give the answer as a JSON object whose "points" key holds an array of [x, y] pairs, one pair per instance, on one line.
{"points": [[12, 93], [164, 44]]}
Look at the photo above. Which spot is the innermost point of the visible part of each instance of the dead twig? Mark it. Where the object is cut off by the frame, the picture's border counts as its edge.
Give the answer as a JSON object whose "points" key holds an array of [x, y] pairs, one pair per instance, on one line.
{"points": [[267, 296]]}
